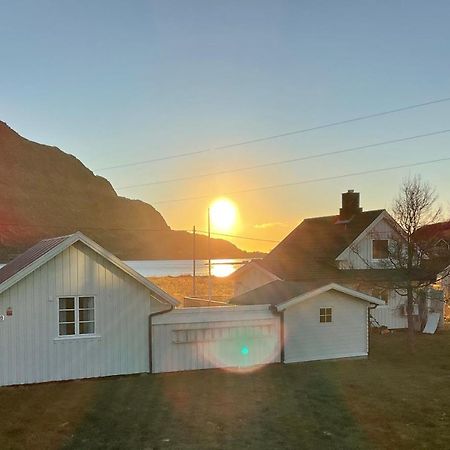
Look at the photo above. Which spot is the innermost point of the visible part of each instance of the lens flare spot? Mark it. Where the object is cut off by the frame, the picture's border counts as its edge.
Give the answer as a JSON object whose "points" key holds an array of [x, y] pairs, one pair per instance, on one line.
{"points": [[244, 350]]}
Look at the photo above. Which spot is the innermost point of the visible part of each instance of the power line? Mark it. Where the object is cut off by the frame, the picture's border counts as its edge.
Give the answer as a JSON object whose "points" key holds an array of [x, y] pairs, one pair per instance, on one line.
{"points": [[289, 161], [277, 136], [240, 237], [313, 180]]}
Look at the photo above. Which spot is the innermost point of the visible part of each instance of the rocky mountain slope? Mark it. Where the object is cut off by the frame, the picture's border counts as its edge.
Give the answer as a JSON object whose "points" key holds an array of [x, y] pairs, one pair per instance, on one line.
{"points": [[45, 192]]}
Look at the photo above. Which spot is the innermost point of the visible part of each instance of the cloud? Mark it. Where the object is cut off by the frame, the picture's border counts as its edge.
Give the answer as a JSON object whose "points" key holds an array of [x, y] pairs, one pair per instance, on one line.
{"points": [[263, 226]]}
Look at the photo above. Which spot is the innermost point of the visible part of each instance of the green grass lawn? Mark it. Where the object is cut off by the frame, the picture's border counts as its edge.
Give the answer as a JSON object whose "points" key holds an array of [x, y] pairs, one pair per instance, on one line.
{"points": [[392, 401]]}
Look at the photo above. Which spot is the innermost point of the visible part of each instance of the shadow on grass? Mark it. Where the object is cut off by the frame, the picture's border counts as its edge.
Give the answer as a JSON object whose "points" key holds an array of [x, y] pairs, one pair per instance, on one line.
{"points": [[297, 406]]}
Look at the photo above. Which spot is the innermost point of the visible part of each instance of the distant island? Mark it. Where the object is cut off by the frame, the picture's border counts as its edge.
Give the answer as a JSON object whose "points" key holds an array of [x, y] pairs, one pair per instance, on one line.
{"points": [[45, 192]]}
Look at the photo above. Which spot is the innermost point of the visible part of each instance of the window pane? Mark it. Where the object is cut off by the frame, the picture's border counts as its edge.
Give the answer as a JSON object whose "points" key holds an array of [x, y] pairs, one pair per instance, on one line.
{"points": [[325, 315], [67, 303], [86, 302], [87, 328], [380, 248], [86, 315], [67, 316], [66, 329]]}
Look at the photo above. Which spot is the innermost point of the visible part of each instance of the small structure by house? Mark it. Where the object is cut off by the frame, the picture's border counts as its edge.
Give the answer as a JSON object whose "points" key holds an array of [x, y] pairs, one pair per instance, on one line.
{"points": [[350, 248], [318, 320], [71, 309]]}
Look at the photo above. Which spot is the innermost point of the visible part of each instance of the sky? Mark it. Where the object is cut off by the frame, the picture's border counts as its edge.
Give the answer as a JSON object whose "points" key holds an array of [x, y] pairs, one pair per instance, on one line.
{"points": [[117, 82]]}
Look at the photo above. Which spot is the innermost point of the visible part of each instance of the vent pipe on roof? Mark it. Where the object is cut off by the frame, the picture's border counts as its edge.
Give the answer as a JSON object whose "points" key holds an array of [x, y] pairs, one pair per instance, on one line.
{"points": [[350, 205]]}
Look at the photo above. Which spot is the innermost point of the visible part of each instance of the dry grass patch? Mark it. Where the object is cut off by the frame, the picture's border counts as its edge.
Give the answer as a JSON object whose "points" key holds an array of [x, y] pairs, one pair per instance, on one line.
{"points": [[181, 286]]}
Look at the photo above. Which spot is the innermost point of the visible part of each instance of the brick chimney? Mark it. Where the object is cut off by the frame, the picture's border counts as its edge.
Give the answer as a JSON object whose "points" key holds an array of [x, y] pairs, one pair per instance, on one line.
{"points": [[350, 205]]}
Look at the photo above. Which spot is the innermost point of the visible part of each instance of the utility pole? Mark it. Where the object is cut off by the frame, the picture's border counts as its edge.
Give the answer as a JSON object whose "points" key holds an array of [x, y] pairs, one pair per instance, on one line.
{"points": [[193, 262], [209, 256]]}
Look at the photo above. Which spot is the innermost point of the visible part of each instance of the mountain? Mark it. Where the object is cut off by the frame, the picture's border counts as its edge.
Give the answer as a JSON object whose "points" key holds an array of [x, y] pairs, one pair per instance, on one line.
{"points": [[45, 192]]}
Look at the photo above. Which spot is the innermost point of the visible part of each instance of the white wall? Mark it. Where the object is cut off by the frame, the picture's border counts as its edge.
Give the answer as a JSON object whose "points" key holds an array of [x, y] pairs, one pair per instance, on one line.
{"points": [[390, 315], [306, 339], [30, 350], [359, 256], [202, 338]]}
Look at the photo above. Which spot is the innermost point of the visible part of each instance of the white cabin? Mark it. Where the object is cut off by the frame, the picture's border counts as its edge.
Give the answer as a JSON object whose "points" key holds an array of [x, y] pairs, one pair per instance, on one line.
{"points": [[69, 309]]}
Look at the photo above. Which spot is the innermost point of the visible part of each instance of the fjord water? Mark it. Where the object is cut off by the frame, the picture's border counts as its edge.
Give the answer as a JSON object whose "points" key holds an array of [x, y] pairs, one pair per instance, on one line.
{"points": [[170, 267]]}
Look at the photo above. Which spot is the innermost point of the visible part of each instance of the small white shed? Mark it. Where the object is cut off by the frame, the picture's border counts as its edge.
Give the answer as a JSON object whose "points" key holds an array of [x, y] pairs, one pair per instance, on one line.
{"points": [[69, 309], [318, 321]]}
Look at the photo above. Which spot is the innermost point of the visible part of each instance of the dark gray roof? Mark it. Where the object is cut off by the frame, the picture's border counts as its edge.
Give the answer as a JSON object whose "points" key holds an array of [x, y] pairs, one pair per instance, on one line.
{"points": [[310, 250], [277, 292], [29, 257]]}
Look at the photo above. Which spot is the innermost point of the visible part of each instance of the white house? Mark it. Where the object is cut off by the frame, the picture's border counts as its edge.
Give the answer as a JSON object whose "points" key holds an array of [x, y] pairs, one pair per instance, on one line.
{"points": [[70, 309], [350, 248]]}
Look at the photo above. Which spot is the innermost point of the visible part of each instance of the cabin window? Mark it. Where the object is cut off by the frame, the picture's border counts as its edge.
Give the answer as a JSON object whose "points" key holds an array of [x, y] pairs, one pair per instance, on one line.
{"points": [[380, 248], [76, 316], [326, 315]]}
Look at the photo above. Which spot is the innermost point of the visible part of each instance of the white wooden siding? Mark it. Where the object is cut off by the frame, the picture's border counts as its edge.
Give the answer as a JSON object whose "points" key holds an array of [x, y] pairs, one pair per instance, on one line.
{"points": [[236, 336], [306, 339], [30, 350], [359, 256], [390, 315]]}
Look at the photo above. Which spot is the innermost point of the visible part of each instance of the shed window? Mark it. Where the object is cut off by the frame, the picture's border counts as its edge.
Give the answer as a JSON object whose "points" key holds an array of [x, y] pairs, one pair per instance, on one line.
{"points": [[76, 316], [380, 249], [326, 315]]}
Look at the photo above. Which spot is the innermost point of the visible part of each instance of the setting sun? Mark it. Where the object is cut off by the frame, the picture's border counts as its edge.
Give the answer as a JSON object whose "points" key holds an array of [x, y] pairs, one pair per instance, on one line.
{"points": [[223, 214]]}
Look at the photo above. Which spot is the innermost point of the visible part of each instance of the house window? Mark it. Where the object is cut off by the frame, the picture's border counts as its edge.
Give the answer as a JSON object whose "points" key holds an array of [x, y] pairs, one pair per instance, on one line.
{"points": [[380, 249], [326, 315], [76, 316]]}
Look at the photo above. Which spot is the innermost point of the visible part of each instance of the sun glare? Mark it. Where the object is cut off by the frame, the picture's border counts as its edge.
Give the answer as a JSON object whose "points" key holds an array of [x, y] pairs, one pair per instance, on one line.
{"points": [[223, 214]]}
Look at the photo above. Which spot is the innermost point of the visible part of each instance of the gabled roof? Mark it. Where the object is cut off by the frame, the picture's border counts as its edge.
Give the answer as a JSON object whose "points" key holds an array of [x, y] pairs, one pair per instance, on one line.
{"points": [[47, 249], [433, 232], [283, 294], [310, 250], [330, 287], [28, 257]]}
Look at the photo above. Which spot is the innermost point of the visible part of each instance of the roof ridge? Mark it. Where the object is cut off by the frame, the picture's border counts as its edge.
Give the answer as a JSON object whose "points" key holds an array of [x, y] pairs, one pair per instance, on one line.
{"points": [[337, 215]]}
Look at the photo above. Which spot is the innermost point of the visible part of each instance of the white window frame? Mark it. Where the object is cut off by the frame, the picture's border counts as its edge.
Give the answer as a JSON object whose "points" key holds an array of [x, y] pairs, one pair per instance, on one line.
{"points": [[77, 334], [371, 250], [325, 315]]}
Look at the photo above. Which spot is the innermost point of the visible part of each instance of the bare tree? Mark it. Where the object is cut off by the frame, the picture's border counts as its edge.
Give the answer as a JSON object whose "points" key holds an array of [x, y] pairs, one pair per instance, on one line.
{"points": [[414, 207], [414, 264]]}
